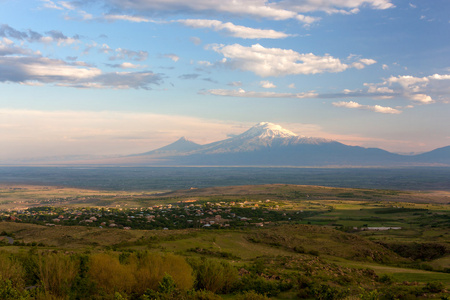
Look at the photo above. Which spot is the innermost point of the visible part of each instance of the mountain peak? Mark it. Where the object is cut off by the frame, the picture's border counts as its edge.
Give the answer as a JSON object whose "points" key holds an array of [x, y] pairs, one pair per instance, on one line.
{"points": [[267, 130]]}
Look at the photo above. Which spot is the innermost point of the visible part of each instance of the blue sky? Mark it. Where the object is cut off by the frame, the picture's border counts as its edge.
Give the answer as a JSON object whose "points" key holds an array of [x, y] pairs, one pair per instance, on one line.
{"points": [[127, 76]]}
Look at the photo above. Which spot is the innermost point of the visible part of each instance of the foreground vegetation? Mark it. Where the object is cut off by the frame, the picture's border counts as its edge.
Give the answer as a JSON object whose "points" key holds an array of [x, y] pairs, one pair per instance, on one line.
{"points": [[272, 241]]}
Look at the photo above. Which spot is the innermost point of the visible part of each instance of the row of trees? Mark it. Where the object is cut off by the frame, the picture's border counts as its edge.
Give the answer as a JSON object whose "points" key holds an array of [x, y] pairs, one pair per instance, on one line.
{"points": [[111, 275]]}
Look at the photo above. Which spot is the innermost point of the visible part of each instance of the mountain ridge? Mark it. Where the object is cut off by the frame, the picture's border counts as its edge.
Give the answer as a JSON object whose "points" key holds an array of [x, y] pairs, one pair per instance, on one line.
{"points": [[268, 144]]}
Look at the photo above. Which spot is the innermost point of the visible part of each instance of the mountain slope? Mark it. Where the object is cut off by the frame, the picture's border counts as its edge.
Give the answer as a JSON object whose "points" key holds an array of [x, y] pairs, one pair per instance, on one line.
{"points": [[182, 145], [267, 144], [439, 155], [260, 137]]}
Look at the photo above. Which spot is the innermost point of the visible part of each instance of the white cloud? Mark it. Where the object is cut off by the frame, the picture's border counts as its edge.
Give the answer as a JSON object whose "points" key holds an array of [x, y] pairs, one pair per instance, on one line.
{"points": [[424, 90], [52, 36], [267, 84], [52, 71], [308, 20], [374, 108], [253, 8], [127, 65], [234, 30], [205, 63], [235, 83], [172, 56], [362, 63], [129, 54], [334, 6], [291, 86], [251, 94], [51, 5], [421, 98], [281, 10], [134, 19], [266, 62]]}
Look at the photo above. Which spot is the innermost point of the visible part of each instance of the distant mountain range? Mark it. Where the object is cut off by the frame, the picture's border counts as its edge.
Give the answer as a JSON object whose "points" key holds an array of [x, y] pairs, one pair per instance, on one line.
{"points": [[267, 144]]}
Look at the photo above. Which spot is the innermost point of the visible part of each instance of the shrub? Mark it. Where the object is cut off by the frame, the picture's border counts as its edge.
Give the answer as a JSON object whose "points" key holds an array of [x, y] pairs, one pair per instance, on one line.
{"points": [[386, 278], [327, 292], [433, 287], [109, 275], [260, 285], [11, 270], [251, 295], [8, 291], [56, 273], [150, 269], [213, 275], [299, 249], [202, 295]]}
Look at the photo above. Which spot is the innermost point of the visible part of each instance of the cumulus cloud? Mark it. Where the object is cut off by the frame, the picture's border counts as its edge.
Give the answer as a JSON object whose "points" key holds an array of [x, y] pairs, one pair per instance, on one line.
{"points": [[308, 20], [30, 70], [374, 108], [267, 84], [251, 94], [7, 47], [266, 62], [424, 90], [234, 30]]}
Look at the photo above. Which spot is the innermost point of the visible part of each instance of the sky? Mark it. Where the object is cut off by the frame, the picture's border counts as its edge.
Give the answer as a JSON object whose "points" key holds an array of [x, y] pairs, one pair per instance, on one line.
{"points": [[117, 77]]}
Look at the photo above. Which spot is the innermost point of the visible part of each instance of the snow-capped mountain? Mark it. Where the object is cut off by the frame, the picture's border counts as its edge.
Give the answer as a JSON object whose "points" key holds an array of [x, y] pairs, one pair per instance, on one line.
{"points": [[260, 137], [266, 130], [267, 144]]}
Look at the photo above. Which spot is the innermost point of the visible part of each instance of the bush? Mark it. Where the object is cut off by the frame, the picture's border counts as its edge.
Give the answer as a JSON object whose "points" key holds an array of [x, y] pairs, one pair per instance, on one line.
{"points": [[213, 275], [386, 279], [8, 291], [56, 273], [11, 270], [139, 272], [327, 292], [202, 295], [109, 275], [260, 285], [251, 295], [401, 292], [433, 287], [299, 249]]}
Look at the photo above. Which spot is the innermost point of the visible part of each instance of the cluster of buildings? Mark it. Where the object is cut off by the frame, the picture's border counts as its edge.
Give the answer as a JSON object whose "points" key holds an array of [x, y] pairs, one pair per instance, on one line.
{"points": [[184, 214]]}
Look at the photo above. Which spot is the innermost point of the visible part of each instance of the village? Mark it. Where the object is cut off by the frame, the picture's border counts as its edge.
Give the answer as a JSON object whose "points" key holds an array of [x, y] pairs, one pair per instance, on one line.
{"points": [[181, 215]]}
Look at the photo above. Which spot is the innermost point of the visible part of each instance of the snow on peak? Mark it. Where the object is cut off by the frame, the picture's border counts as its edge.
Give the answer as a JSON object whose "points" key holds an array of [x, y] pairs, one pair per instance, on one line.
{"points": [[268, 130]]}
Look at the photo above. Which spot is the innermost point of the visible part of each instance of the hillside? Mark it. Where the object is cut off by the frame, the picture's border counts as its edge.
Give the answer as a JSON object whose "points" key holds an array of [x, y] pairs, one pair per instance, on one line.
{"points": [[281, 241]]}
